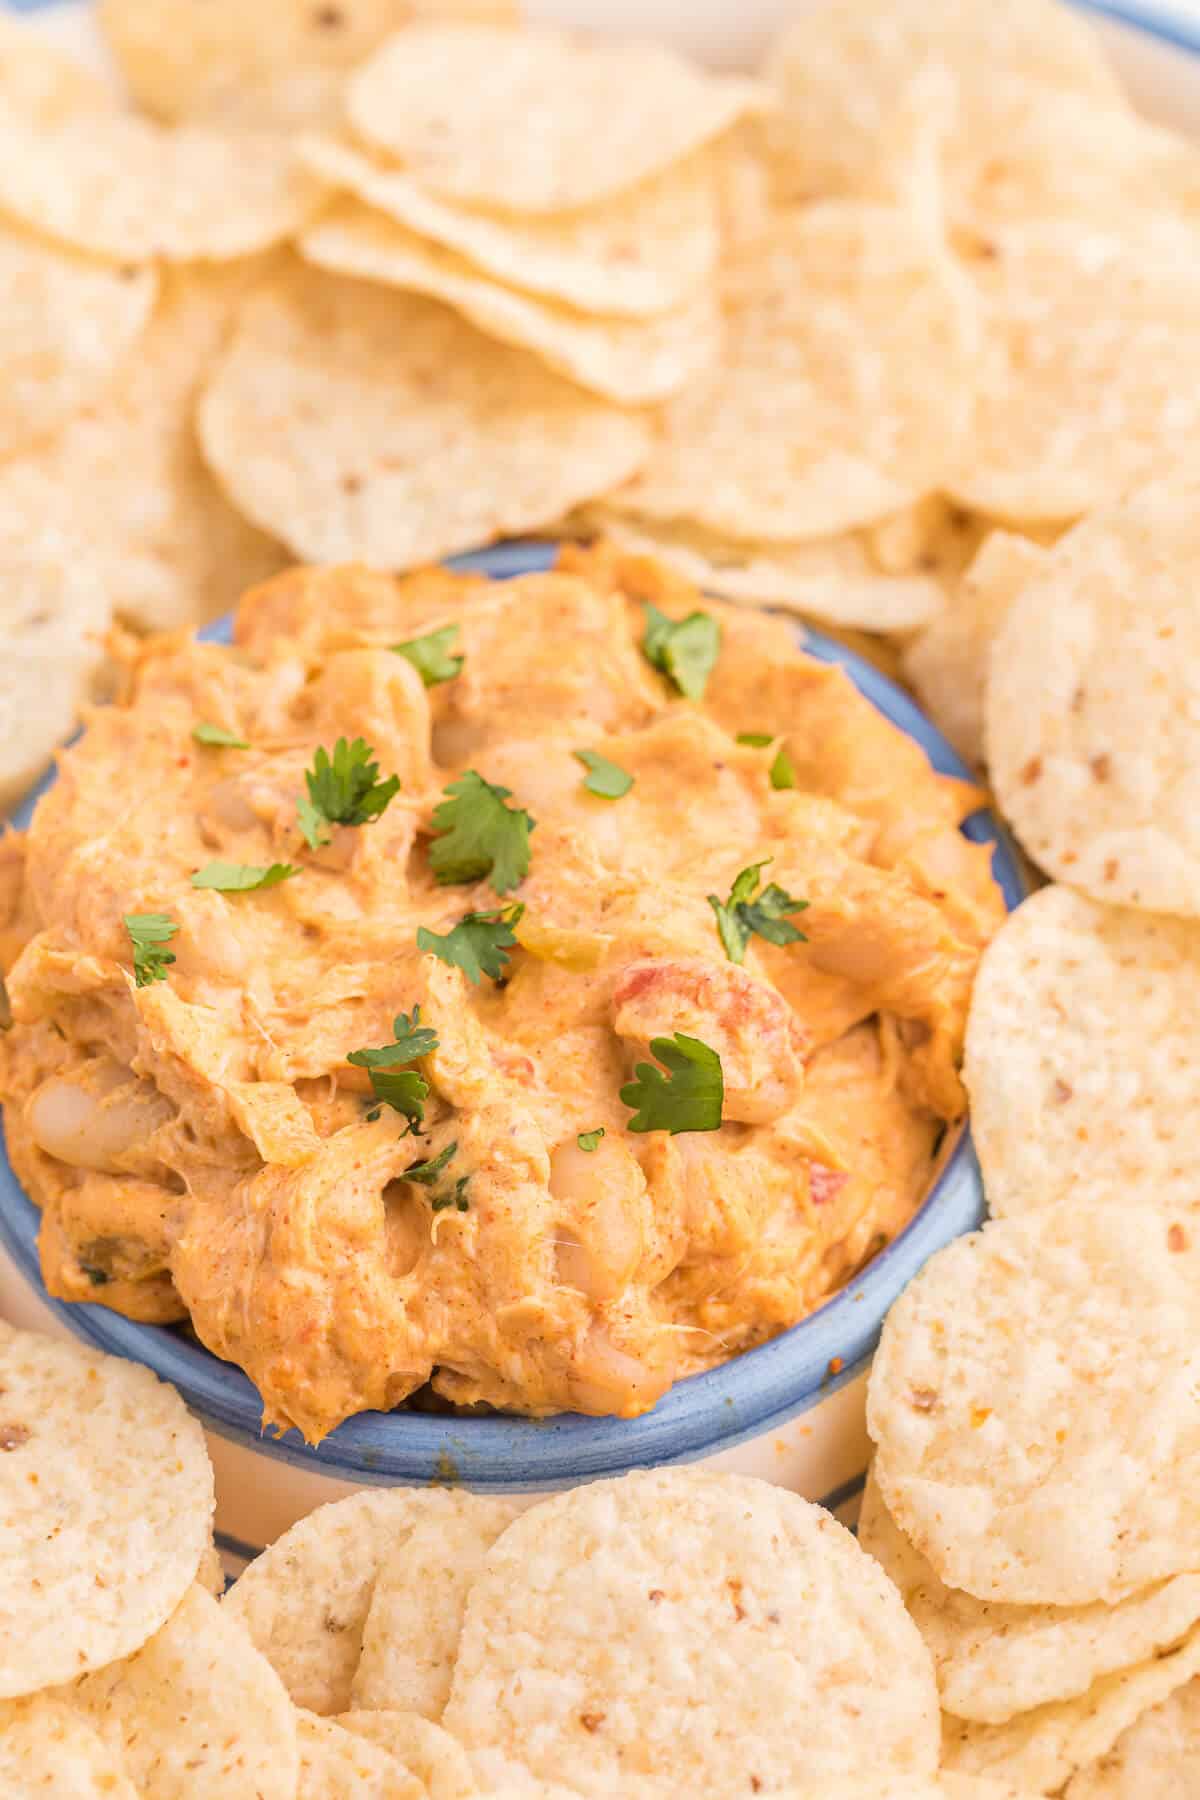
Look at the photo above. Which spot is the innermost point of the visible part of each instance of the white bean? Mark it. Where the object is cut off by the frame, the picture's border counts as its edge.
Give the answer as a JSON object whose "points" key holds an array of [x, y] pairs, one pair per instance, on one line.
{"points": [[92, 1122]]}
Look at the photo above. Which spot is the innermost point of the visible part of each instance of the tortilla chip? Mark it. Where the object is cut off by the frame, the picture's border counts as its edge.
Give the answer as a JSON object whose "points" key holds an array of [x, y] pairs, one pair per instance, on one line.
{"points": [[422, 1747], [336, 1764], [1043, 1749], [147, 526], [1083, 1058], [362, 424], [833, 581], [845, 392], [410, 1640], [106, 1501], [66, 323], [1155, 1759], [43, 83], [1093, 734], [1032, 1386], [633, 362], [305, 1601], [284, 60], [994, 1661], [946, 663], [611, 1628], [119, 186], [53, 614], [1080, 395], [644, 251], [47, 1749], [836, 75], [595, 118], [197, 1711]]}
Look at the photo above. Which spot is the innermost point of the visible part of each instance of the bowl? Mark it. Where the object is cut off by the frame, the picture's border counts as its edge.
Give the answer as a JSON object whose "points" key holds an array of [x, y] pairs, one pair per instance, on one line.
{"points": [[789, 1392]]}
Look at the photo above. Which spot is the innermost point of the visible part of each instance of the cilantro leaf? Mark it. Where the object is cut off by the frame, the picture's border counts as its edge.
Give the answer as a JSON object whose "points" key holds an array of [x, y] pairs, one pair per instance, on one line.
{"points": [[412, 1040], [746, 912], [343, 789], [149, 933], [430, 655], [427, 1172], [590, 1140], [605, 778], [688, 1098], [478, 835], [456, 1199], [404, 1090], [204, 733], [783, 772], [242, 878], [478, 945], [685, 650]]}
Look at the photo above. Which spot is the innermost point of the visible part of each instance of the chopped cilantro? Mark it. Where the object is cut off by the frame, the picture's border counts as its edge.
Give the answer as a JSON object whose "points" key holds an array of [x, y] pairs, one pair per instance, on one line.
{"points": [[217, 735], [478, 945], [746, 912], [685, 650], [430, 655], [457, 1198], [426, 1173], [149, 933], [783, 773], [590, 1140], [605, 778], [477, 834], [343, 789], [404, 1090], [688, 1098], [242, 878]]}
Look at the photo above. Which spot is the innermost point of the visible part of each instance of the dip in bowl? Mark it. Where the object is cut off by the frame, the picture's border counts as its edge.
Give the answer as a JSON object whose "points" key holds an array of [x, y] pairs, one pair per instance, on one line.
{"points": [[567, 1249]]}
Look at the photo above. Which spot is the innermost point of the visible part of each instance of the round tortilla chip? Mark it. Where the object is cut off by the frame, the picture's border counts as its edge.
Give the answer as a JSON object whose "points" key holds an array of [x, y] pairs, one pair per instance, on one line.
{"points": [[423, 1748], [1080, 393], [822, 414], [53, 614], [595, 118], [836, 73], [47, 1750], [633, 362], [1083, 1058], [643, 251], [306, 1599], [1041, 153], [410, 1639], [148, 525], [1035, 1405], [66, 323], [106, 1502], [361, 424], [946, 663], [280, 59], [1044, 1748], [197, 1713], [832, 580], [119, 186], [1157, 1758], [707, 1630], [994, 1661], [1093, 731], [41, 82], [336, 1764]]}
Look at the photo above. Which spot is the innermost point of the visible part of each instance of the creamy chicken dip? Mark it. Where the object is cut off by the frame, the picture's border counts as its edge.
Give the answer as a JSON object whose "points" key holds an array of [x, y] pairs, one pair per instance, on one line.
{"points": [[546, 1009]]}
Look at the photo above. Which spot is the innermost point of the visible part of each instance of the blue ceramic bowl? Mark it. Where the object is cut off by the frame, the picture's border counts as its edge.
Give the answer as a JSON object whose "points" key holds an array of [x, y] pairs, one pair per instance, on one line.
{"points": [[753, 1395]]}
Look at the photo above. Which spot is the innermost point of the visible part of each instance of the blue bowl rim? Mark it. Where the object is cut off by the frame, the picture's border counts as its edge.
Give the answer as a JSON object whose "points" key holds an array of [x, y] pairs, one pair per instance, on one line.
{"points": [[753, 1394]]}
